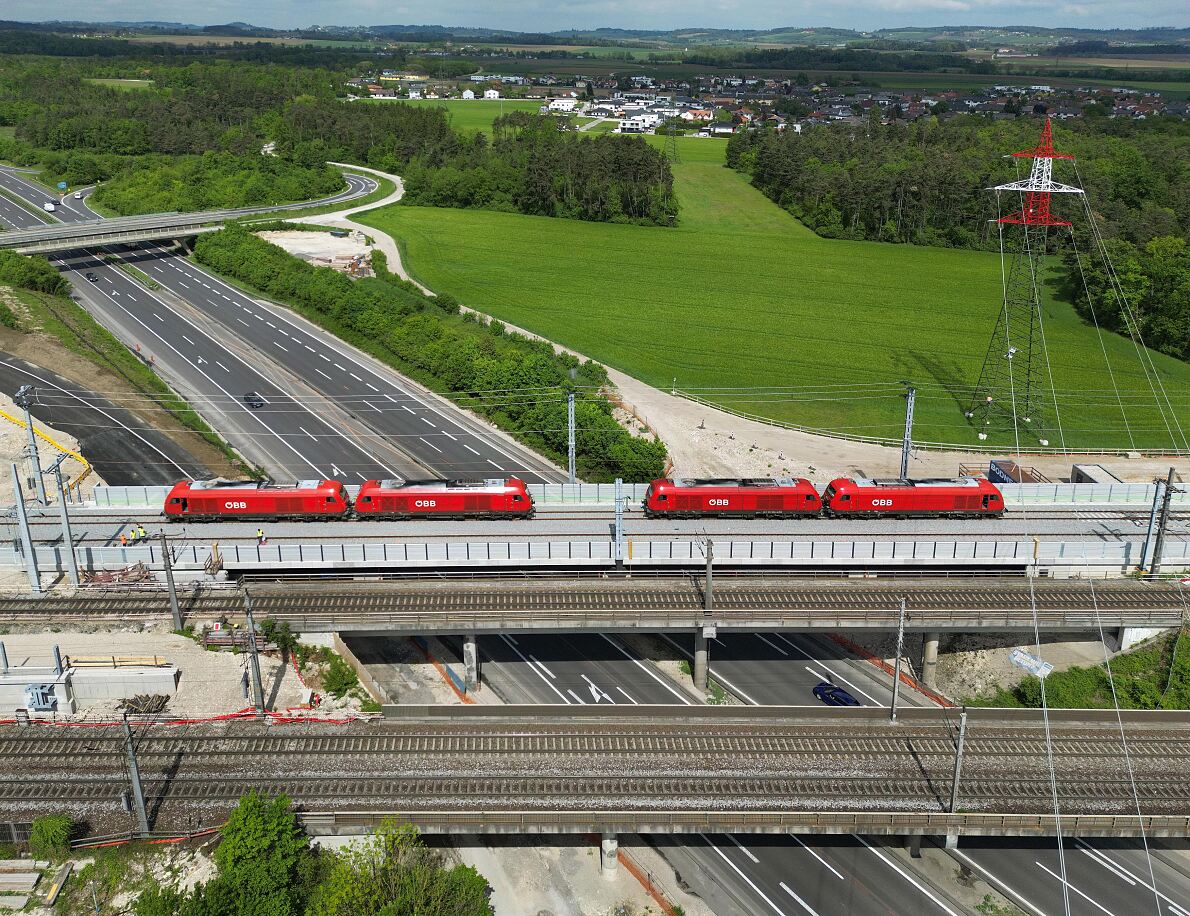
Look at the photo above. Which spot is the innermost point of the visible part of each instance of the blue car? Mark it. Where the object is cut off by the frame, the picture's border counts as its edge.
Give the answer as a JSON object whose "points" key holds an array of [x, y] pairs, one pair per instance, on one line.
{"points": [[831, 695]]}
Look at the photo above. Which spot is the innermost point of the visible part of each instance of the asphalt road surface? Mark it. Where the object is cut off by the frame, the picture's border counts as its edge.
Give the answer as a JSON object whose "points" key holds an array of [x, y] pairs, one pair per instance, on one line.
{"points": [[329, 411], [122, 448]]}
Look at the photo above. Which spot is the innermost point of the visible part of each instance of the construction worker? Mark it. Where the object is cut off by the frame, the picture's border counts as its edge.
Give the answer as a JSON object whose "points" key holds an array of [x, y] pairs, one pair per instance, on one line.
{"points": [[260, 537], [141, 534], [123, 539], [132, 535]]}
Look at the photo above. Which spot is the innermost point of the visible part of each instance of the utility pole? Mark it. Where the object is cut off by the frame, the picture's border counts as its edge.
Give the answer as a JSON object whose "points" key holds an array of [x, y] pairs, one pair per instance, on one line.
{"points": [[168, 561], [138, 793], [958, 763], [22, 399], [570, 478], [254, 658], [708, 595], [897, 671], [619, 550], [26, 536], [1162, 524], [67, 536], [907, 441], [1154, 514]]}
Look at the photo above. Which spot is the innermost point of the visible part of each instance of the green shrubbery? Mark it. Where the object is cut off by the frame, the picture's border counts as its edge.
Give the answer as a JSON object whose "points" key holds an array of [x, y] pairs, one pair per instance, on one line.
{"points": [[516, 382], [31, 272], [1153, 676], [50, 836]]}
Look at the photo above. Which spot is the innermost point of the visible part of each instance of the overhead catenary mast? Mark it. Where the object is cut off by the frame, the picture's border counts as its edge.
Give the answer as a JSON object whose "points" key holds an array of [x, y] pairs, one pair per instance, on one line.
{"points": [[1012, 385]]}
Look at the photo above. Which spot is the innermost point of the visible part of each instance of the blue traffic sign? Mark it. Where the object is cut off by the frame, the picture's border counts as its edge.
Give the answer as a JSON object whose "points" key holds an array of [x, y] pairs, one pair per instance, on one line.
{"points": [[62, 185]]}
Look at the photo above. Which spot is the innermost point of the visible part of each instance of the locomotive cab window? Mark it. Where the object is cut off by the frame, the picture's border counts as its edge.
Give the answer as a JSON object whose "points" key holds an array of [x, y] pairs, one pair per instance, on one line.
{"points": [[330, 499], [516, 499], [365, 499], [175, 500], [985, 501], [661, 497]]}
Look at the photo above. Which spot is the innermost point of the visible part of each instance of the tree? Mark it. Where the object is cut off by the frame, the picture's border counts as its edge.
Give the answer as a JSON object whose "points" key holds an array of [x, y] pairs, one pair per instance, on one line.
{"points": [[393, 873]]}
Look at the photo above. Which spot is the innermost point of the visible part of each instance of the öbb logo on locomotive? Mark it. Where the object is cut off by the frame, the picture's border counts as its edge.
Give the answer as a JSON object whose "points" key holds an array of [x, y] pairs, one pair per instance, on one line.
{"points": [[780, 497]]}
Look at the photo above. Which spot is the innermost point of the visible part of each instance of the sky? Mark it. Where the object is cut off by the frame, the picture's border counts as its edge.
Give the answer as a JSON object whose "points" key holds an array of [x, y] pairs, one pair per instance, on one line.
{"points": [[551, 15]]}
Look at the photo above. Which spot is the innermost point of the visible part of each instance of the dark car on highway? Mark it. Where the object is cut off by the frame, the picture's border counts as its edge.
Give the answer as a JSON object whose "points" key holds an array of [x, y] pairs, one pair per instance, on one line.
{"points": [[254, 400], [831, 695], [93, 277]]}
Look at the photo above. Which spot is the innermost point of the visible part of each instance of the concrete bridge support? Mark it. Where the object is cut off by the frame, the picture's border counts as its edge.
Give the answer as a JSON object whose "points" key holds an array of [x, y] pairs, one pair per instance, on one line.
{"points": [[470, 662], [929, 661], [701, 660], [609, 855]]}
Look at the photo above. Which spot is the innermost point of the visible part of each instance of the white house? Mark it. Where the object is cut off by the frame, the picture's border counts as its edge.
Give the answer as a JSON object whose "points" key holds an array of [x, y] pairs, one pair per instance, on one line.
{"points": [[638, 124], [491, 93], [468, 94], [563, 104]]}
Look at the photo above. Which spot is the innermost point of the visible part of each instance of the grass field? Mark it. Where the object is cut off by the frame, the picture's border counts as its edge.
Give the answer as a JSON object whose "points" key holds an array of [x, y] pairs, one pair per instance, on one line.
{"points": [[471, 116], [126, 85], [741, 295]]}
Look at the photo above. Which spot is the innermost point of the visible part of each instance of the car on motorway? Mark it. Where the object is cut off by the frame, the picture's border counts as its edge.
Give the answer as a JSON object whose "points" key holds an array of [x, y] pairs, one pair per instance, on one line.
{"points": [[78, 195], [92, 276], [254, 400], [831, 695]]}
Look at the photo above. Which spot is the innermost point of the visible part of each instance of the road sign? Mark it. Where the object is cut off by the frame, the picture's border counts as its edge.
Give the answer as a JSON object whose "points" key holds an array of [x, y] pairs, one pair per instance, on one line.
{"points": [[62, 185], [1030, 663]]}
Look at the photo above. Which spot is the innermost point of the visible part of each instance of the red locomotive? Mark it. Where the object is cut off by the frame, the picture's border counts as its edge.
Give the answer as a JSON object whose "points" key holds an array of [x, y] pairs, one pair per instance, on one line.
{"points": [[493, 498], [966, 497], [780, 497], [223, 499]]}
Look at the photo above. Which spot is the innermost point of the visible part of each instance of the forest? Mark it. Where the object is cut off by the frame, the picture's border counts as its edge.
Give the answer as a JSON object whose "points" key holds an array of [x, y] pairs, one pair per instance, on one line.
{"points": [[925, 183], [486, 368]]}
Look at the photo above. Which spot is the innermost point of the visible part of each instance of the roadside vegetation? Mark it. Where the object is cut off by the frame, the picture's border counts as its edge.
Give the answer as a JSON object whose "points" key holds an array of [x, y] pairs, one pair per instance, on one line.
{"points": [[740, 295], [517, 383], [1155, 675]]}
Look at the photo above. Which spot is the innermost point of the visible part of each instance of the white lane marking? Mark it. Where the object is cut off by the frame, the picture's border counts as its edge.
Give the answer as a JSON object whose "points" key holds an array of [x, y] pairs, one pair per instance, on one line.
{"points": [[1094, 903], [403, 407], [852, 686], [1173, 904], [206, 286], [830, 674], [761, 894], [189, 341], [308, 347], [647, 670], [340, 368], [908, 877], [431, 445], [800, 902], [430, 422], [771, 643], [354, 376], [627, 697], [159, 318], [715, 674], [308, 433], [228, 298], [533, 668], [1103, 862], [270, 324], [183, 285], [373, 406], [373, 387], [815, 854], [493, 464], [258, 316], [577, 698], [361, 476], [242, 321], [320, 372], [747, 851], [540, 664], [321, 356], [999, 882], [469, 448], [221, 366], [449, 436], [390, 398], [597, 692], [277, 344]]}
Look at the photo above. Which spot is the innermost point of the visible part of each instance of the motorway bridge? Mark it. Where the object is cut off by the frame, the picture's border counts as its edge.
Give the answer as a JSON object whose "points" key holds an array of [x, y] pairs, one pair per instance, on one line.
{"points": [[640, 769]]}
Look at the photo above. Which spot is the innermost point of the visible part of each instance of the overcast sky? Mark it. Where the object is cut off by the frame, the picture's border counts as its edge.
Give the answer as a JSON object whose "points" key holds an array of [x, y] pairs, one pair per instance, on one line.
{"points": [[550, 15]]}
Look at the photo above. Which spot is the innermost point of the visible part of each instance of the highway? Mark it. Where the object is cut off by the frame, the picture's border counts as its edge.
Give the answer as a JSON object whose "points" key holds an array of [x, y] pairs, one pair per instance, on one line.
{"points": [[329, 411], [734, 874]]}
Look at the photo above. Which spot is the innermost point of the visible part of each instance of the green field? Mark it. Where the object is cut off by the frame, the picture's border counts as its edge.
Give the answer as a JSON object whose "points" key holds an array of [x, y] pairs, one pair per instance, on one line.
{"points": [[741, 295], [126, 85], [471, 116]]}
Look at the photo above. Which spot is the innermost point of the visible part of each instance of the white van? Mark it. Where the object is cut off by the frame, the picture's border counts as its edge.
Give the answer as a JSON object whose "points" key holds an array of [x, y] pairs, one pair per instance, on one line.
{"points": [[48, 207]]}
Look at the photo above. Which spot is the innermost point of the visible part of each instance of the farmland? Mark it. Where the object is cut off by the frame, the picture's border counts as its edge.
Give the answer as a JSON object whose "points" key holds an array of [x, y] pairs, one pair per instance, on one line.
{"points": [[741, 295]]}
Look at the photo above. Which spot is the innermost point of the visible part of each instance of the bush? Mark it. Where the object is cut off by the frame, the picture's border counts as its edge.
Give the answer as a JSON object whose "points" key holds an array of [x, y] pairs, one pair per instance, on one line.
{"points": [[339, 676], [50, 837], [31, 272]]}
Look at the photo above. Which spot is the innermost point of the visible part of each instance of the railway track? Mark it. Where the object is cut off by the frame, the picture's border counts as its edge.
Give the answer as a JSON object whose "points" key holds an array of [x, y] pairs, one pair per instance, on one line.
{"points": [[459, 598]]}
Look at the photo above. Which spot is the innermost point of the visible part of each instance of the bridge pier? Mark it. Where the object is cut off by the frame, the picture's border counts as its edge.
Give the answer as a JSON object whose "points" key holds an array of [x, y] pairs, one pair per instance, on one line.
{"points": [[470, 663], [609, 855], [1127, 637], [700, 659], [929, 661], [913, 841]]}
